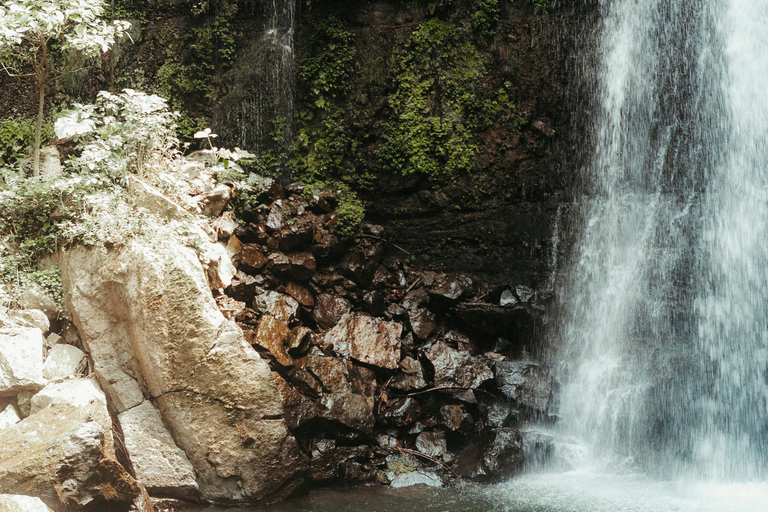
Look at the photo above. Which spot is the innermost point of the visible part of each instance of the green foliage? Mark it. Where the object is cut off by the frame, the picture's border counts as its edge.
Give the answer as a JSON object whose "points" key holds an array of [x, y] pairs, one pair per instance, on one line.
{"points": [[485, 16], [17, 136], [350, 210], [323, 139], [440, 75]]}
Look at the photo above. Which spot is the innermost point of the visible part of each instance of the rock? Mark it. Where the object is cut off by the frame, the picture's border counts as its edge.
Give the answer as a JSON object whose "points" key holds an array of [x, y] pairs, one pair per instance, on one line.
{"points": [[329, 309], [219, 267], [303, 266], [243, 287], [301, 337], [252, 256], [412, 478], [543, 127], [64, 361], [17, 503], [524, 293], [499, 411], [411, 377], [147, 197], [505, 455], [507, 298], [21, 360], [68, 457], [432, 444], [149, 322], [52, 340], [279, 263], [447, 291], [30, 318], [403, 412], [274, 335], [70, 335], [456, 368], [158, 463], [280, 306], [212, 203], [454, 417], [524, 382], [361, 262], [374, 302], [34, 296], [345, 393], [539, 448], [24, 402], [494, 455], [9, 416], [330, 461], [275, 220], [301, 294], [225, 226], [299, 234], [422, 322], [230, 307], [501, 321], [366, 339]]}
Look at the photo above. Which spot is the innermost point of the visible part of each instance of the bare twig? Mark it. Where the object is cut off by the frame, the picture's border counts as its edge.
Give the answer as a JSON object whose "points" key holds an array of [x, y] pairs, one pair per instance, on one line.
{"points": [[448, 388], [414, 284], [386, 241], [429, 458], [15, 75]]}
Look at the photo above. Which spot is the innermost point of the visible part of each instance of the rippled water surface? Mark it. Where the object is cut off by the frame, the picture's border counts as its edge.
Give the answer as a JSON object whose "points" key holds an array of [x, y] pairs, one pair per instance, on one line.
{"points": [[564, 492]]}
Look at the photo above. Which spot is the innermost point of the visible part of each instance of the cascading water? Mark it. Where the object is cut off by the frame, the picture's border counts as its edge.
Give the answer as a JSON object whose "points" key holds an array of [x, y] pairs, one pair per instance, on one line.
{"points": [[665, 352]]}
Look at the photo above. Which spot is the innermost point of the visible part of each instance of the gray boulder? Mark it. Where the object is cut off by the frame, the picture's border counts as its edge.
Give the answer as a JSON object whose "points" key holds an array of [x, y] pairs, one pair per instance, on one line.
{"points": [[21, 360]]}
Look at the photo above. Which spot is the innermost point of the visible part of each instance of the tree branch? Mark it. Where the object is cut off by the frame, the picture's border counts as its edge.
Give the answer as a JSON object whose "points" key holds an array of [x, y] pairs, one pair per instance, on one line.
{"points": [[16, 74], [429, 458], [67, 73]]}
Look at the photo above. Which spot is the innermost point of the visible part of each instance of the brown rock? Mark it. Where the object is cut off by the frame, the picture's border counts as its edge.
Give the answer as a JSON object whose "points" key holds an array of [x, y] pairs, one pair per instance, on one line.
{"points": [[329, 309], [301, 294], [402, 413], [279, 263], [412, 376], [303, 266], [274, 335], [278, 305], [252, 256], [422, 322], [459, 369], [366, 339]]}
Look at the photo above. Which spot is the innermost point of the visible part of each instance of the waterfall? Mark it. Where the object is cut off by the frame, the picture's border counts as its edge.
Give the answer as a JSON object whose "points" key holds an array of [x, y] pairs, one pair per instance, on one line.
{"points": [[664, 359]]}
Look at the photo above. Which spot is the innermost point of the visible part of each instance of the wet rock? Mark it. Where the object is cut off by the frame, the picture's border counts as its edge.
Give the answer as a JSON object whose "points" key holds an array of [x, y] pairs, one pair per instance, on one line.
{"points": [[9, 416], [68, 457], [411, 377], [280, 306], [346, 392], [303, 266], [500, 321], [454, 417], [524, 293], [299, 234], [361, 262], [252, 257], [447, 291], [507, 298], [302, 295], [158, 463], [494, 455], [432, 444], [422, 322], [21, 360], [459, 369], [412, 478], [366, 339], [374, 302], [34, 318], [151, 326], [18, 503], [64, 361], [402, 413], [498, 411], [524, 382], [300, 339], [331, 462], [34, 296], [329, 309], [539, 448]]}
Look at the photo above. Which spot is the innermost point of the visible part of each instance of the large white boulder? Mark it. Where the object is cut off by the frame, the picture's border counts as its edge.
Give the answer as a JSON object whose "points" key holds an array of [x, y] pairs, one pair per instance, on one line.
{"points": [[149, 322], [21, 359], [64, 452], [158, 463], [18, 503], [9, 416], [63, 361]]}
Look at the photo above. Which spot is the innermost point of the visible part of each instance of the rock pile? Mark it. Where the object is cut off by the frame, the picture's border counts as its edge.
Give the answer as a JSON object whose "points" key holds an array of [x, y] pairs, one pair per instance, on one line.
{"points": [[381, 365]]}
